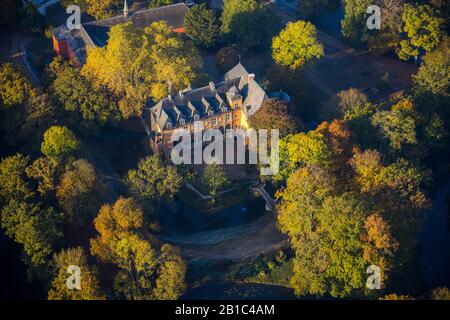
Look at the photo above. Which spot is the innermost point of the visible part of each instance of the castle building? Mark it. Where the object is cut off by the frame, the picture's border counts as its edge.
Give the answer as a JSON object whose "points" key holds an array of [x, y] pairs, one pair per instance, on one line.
{"points": [[224, 105], [74, 44]]}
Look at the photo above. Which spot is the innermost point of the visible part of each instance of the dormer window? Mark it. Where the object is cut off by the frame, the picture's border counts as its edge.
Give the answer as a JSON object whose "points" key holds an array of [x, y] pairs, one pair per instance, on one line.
{"points": [[169, 125], [210, 113], [196, 117], [182, 122]]}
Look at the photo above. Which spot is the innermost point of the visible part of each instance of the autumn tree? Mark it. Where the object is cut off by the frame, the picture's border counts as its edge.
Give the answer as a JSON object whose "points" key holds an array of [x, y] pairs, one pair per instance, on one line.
{"points": [[215, 178], [44, 171], [136, 65], [14, 84], [274, 115], [296, 45], [394, 296], [340, 142], [172, 270], [159, 3], [83, 4], [102, 9], [79, 191], [89, 283], [202, 26], [247, 23], [441, 293], [423, 31], [351, 99], [113, 220], [145, 272], [395, 190], [59, 142]]}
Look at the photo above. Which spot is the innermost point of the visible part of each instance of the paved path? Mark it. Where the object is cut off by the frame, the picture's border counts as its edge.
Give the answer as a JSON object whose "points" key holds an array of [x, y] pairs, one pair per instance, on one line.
{"points": [[259, 237], [19, 56], [341, 66]]}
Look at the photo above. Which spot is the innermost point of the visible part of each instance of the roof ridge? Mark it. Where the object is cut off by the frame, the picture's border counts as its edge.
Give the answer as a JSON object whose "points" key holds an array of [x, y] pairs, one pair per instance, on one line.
{"points": [[137, 12]]}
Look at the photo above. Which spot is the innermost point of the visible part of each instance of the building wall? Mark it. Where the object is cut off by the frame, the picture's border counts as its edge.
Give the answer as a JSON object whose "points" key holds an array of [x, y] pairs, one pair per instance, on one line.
{"points": [[161, 143], [60, 47], [179, 30]]}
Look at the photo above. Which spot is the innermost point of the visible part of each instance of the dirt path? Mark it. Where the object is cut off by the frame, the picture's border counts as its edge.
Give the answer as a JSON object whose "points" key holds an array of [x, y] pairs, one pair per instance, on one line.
{"points": [[264, 240]]}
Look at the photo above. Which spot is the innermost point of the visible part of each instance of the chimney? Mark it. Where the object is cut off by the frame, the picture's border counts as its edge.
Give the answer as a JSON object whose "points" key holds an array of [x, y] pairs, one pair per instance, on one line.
{"points": [[125, 9], [212, 86]]}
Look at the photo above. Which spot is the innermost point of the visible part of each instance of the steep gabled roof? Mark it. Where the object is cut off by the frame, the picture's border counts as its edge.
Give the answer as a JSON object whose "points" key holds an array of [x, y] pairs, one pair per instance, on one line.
{"points": [[236, 72], [214, 97]]}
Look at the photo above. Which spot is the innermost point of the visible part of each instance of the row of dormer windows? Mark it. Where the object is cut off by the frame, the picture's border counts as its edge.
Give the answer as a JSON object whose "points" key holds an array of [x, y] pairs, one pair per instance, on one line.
{"points": [[183, 121]]}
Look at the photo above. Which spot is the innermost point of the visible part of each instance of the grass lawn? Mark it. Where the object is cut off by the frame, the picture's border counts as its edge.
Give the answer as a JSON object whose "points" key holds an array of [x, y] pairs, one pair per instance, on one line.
{"points": [[277, 275]]}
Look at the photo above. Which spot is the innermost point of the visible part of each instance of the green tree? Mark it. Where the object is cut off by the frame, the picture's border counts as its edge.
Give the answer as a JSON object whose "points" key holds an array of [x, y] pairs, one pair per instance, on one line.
{"points": [[59, 142], [153, 180], [398, 125], [423, 31], [14, 84], [171, 281], [433, 76], [324, 230], [79, 191], [296, 45], [89, 283], [215, 178], [302, 149], [75, 93], [388, 37], [353, 24], [202, 26], [247, 23], [314, 7], [13, 183], [227, 58], [274, 115], [36, 228]]}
